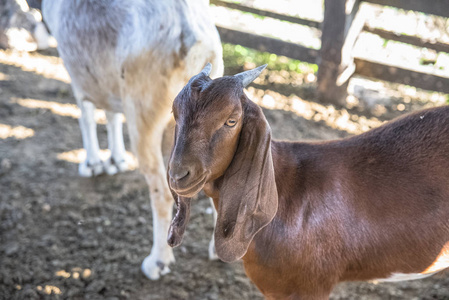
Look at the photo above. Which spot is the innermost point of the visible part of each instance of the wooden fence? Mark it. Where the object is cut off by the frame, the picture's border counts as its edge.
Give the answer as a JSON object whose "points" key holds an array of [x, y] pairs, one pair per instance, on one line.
{"points": [[340, 31]]}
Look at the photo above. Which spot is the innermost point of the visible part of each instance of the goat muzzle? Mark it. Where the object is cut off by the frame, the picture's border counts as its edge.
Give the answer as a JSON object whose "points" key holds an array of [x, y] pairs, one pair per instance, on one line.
{"points": [[187, 186]]}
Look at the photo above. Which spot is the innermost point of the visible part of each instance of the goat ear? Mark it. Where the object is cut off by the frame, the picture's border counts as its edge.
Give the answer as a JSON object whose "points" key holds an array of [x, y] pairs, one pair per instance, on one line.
{"points": [[248, 197]]}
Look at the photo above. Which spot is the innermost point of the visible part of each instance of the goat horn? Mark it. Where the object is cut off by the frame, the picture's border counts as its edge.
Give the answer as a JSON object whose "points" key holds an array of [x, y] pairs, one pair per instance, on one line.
{"points": [[248, 76], [207, 69]]}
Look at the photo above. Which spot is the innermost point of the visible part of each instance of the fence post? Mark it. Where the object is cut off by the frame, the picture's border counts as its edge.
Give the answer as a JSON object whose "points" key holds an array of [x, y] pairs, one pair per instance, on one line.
{"points": [[341, 25]]}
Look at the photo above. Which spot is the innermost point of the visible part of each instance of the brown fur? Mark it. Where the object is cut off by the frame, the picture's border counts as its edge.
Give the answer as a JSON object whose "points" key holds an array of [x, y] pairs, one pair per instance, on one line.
{"points": [[353, 209]]}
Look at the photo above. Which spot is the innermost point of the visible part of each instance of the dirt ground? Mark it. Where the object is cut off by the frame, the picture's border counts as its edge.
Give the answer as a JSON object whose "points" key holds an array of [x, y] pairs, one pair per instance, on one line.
{"points": [[66, 237]]}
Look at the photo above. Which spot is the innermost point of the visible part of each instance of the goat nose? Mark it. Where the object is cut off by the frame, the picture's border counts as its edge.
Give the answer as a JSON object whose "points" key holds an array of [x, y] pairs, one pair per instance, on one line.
{"points": [[179, 174]]}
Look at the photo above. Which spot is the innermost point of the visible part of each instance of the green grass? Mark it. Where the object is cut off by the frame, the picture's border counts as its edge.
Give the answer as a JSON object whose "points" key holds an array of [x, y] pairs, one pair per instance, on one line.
{"points": [[235, 56]]}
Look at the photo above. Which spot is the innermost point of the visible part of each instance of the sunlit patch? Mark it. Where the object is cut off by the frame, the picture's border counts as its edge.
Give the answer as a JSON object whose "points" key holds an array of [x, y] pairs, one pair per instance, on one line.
{"points": [[17, 132], [62, 273], [48, 66], [339, 119], [20, 39], [79, 155], [49, 289], [311, 77], [4, 76], [76, 273], [62, 109], [268, 101], [86, 273]]}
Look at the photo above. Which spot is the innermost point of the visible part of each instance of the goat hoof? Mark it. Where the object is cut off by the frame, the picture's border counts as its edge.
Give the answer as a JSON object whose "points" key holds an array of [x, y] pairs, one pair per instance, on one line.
{"points": [[154, 267], [212, 252], [112, 167], [86, 169]]}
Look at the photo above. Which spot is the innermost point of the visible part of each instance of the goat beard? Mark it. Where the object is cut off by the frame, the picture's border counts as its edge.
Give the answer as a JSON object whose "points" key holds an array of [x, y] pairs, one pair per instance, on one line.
{"points": [[179, 222]]}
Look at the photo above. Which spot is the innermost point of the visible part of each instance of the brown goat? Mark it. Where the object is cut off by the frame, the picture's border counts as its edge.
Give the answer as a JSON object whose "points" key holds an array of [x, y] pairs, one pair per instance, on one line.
{"points": [[305, 216]]}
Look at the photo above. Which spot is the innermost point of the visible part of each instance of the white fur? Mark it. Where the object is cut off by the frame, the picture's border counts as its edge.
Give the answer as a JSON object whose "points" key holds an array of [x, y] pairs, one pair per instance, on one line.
{"points": [[117, 162], [440, 263], [41, 36], [212, 251], [395, 277], [135, 64], [92, 166]]}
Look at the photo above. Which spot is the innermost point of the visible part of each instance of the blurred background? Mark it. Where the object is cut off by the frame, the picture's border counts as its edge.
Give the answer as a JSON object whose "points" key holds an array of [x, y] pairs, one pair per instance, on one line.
{"points": [[330, 74]]}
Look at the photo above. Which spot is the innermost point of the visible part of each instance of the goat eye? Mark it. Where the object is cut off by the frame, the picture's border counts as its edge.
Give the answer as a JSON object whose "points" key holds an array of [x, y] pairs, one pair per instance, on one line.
{"points": [[231, 122]]}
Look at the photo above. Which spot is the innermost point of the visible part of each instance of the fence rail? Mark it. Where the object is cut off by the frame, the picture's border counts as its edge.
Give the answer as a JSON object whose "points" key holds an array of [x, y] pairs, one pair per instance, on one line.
{"points": [[430, 7], [417, 79], [339, 33], [267, 44], [408, 39], [265, 13]]}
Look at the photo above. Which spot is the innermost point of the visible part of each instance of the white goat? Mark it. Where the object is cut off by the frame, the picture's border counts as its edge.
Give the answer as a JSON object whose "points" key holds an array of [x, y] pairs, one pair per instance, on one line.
{"points": [[133, 56]]}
